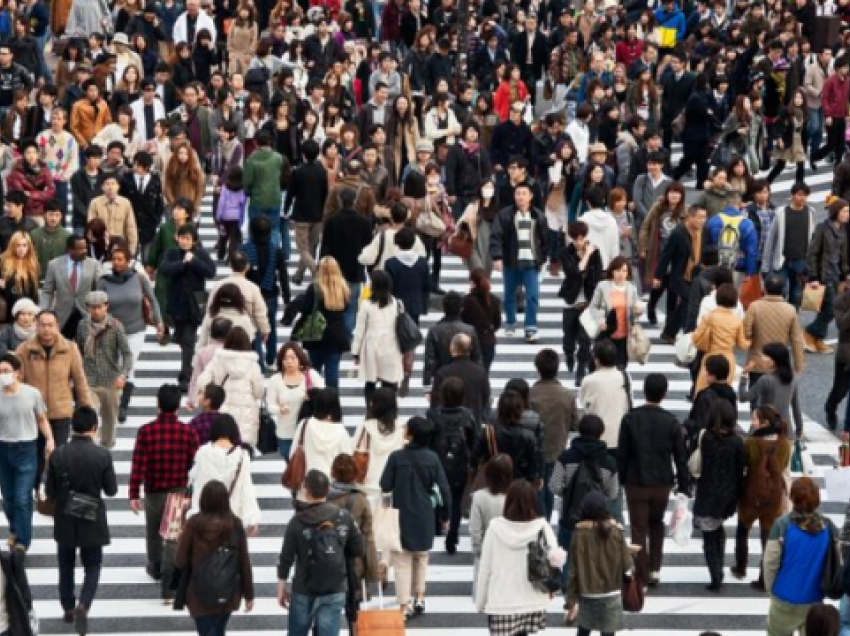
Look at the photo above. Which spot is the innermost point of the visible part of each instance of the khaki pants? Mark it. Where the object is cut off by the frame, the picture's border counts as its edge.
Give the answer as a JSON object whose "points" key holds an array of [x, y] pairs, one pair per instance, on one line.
{"points": [[307, 237], [105, 402], [783, 619], [411, 571]]}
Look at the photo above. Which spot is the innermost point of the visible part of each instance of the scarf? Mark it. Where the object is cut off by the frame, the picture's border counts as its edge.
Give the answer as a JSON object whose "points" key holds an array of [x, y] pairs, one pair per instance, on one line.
{"points": [[809, 523], [470, 148], [267, 273], [96, 329], [24, 334]]}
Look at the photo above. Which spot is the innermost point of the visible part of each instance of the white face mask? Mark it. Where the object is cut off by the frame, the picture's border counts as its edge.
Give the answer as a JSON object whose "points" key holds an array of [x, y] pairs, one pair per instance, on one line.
{"points": [[488, 193], [7, 379]]}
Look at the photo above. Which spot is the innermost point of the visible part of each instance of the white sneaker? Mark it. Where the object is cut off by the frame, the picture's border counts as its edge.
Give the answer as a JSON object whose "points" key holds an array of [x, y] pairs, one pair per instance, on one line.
{"points": [[531, 336]]}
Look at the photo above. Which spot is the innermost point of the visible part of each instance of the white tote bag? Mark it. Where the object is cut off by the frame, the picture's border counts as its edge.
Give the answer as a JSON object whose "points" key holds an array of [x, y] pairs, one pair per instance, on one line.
{"points": [[589, 324], [387, 531]]}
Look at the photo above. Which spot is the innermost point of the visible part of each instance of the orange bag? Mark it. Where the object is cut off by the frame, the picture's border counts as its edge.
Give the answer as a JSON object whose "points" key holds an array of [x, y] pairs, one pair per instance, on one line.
{"points": [[296, 467], [361, 459], [750, 290]]}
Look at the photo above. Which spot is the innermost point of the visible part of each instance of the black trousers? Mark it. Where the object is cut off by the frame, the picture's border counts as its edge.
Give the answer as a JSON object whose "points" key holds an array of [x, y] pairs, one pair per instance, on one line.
{"points": [[67, 558], [835, 141], [185, 335], [575, 336], [61, 431], [676, 319], [840, 387], [370, 388], [69, 331], [695, 155]]}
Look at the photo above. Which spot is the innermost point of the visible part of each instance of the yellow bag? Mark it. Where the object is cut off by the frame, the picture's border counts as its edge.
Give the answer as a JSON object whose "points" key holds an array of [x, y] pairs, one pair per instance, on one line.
{"points": [[365, 292], [667, 37]]}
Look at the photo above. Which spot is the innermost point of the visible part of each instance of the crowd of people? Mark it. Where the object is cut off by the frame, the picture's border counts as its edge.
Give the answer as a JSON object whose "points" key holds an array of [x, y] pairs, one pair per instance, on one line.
{"points": [[532, 141]]}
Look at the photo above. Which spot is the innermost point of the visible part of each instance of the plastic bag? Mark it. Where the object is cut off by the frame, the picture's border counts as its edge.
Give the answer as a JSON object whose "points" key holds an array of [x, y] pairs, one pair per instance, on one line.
{"points": [[681, 523]]}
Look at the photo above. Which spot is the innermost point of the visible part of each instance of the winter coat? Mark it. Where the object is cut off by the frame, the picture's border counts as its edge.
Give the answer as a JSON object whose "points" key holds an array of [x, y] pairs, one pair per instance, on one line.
{"points": [[485, 319], [238, 318], [119, 218], [86, 122], [223, 464], [600, 305], [748, 240], [649, 240], [826, 242], [454, 418], [368, 437], [516, 441], [721, 482], [589, 451], [352, 498], [499, 589], [411, 282], [239, 375], [437, 345], [465, 171], [51, 375], [603, 233], [335, 338], [38, 186], [504, 244], [323, 441], [375, 342], [794, 559], [752, 458], [410, 475], [241, 46], [184, 280], [597, 566], [575, 280], [88, 469], [774, 246], [718, 333], [651, 442]]}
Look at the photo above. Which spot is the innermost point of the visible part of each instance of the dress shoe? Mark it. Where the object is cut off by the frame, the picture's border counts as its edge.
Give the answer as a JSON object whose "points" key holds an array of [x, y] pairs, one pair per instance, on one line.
{"points": [[809, 342], [670, 340], [822, 347], [81, 620]]}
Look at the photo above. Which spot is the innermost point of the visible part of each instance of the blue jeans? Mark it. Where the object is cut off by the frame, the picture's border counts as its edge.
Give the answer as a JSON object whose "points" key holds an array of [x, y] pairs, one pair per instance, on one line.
{"points": [[564, 536], [327, 364], [323, 611], [212, 624], [273, 215], [529, 279], [819, 327], [284, 446], [815, 127], [285, 239], [271, 342], [62, 198], [845, 616], [351, 310], [18, 464], [790, 272]]}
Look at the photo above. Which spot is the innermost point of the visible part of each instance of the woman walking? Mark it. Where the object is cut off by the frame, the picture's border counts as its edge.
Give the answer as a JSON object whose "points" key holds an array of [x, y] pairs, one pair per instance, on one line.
{"points": [[616, 306], [323, 435], [777, 387], [720, 332], [19, 270], [483, 311], [512, 604], [214, 528], [512, 438], [487, 504], [228, 302], [381, 434], [719, 485]]}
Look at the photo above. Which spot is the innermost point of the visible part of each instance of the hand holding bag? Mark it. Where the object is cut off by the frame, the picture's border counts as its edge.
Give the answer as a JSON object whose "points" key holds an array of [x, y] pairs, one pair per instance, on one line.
{"points": [[638, 345], [542, 576], [430, 221], [632, 592], [386, 527], [406, 330], [177, 504], [267, 435], [296, 467], [695, 460], [832, 575], [812, 298]]}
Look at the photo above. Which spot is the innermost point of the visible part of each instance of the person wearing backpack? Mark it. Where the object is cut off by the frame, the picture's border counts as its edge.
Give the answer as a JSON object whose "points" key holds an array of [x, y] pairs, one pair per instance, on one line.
{"points": [[767, 455], [586, 466], [319, 542], [215, 565], [719, 485], [453, 441], [737, 242]]}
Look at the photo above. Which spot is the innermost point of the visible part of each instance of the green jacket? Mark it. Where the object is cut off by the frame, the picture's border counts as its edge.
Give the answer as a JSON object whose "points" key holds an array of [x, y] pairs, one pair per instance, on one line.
{"points": [[49, 244], [261, 180], [166, 238]]}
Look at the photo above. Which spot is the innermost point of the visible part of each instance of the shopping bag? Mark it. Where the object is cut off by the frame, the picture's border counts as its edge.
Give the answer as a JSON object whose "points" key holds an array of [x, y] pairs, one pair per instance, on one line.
{"points": [[812, 298], [589, 324], [387, 531], [379, 621], [808, 462], [686, 350], [638, 345], [177, 504], [750, 291], [681, 523], [837, 482]]}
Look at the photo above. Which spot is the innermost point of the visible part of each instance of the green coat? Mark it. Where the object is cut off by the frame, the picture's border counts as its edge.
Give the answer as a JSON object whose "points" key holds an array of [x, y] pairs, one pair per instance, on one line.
{"points": [[261, 179], [48, 245], [166, 238]]}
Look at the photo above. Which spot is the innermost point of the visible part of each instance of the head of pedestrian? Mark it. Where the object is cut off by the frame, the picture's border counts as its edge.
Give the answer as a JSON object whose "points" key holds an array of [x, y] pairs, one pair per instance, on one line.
{"points": [[521, 502], [212, 397], [10, 365], [774, 285], [316, 487], [605, 354], [800, 192], [168, 399], [839, 212], [24, 312], [695, 218], [591, 426], [84, 421], [768, 421], [15, 203], [717, 369], [97, 306], [420, 430], [187, 237], [76, 247], [452, 305], [517, 110], [52, 214], [620, 270], [727, 296], [460, 346], [47, 328], [655, 388]]}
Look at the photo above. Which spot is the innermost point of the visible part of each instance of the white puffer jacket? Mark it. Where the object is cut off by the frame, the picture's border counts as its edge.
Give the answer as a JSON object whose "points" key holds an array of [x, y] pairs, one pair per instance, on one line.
{"points": [[214, 462], [238, 373]]}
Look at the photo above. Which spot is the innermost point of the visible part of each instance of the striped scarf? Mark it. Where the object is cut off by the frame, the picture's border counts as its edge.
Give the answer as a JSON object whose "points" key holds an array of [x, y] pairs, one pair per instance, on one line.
{"points": [[267, 273]]}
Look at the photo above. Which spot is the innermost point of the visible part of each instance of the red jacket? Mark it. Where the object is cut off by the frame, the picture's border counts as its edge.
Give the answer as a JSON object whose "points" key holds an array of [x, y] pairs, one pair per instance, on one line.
{"points": [[628, 52], [502, 98], [835, 96], [37, 185]]}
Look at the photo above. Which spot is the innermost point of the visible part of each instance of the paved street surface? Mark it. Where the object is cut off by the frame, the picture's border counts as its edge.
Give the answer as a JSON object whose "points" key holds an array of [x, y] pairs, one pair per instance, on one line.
{"points": [[128, 601]]}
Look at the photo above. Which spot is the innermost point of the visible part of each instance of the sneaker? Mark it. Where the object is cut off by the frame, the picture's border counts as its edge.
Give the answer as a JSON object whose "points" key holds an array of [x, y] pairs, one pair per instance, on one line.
{"points": [[409, 611], [810, 344], [510, 332], [419, 606], [81, 620], [822, 347], [531, 336]]}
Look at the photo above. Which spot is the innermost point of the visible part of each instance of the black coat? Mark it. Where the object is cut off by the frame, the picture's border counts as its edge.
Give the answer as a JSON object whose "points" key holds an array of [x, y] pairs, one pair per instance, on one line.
{"points": [[476, 385], [438, 342], [465, 173], [484, 66], [504, 243], [16, 593], [411, 285], [88, 470], [309, 189], [539, 54], [335, 338], [675, 94], [344, 236], [511, 139], [411, 494], [82, 193], [519, 444], [575, 280], [699, 120], [184, 280], [319, 57], [674, 261], [147, 206], [721, 483], [456, 417], [651, 440]]}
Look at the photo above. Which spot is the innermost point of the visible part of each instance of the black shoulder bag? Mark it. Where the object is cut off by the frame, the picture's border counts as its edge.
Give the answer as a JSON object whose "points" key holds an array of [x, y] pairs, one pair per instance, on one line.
{"points": [[77, 505]]}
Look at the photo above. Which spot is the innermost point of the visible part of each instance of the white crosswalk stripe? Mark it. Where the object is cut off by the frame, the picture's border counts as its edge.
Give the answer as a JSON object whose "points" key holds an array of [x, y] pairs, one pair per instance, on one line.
{"points": [[128, 601]]}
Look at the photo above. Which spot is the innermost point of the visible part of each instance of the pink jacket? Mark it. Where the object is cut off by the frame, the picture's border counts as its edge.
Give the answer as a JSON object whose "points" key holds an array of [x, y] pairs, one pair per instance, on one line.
{"points": [[203, 357]]}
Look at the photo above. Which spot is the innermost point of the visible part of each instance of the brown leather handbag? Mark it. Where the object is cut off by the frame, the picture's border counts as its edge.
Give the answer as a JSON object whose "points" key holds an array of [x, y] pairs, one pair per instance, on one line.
{"points": [[632, 593], [296, 467], [361, 458]]}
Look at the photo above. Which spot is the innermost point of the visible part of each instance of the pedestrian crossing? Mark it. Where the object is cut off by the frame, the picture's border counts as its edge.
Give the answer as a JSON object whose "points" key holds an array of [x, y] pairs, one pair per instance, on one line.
{"points": [[128, 601]]}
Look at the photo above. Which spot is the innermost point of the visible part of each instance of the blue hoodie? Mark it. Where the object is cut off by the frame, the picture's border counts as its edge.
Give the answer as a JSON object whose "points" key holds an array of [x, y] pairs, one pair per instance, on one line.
{"points": [[747, 237], [673, 20]]}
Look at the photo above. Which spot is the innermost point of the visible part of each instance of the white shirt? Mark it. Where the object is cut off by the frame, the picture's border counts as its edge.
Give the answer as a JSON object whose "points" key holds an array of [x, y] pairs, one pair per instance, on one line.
{"points": [[709, 304]]}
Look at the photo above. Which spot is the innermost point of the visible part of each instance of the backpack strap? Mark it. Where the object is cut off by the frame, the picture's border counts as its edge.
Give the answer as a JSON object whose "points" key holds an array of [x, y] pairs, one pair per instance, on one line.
{"points": [[363, 433]]}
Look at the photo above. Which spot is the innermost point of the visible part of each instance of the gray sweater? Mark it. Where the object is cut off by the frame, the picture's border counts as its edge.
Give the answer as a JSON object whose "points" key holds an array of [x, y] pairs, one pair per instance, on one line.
{"points": [[124, 292], [769, 391]]}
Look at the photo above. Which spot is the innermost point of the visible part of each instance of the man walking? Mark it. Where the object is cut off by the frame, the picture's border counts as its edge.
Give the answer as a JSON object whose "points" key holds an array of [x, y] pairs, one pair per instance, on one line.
{"points": [[261, 182], [309, 190], [68, 281], [107, 360]]}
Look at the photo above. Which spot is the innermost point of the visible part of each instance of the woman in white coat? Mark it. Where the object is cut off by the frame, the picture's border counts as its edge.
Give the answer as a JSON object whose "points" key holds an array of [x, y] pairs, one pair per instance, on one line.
{"points": [[513, 606], [375, 347], [226, 460], [381, 434], [616, 306], [323, 436], [487, 504], [234, 368]]}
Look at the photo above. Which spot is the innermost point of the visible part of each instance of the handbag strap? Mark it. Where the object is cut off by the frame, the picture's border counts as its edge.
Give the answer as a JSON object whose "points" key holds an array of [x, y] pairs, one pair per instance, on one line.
{"points": [[364, 433], [303, 431], [236, 476]]}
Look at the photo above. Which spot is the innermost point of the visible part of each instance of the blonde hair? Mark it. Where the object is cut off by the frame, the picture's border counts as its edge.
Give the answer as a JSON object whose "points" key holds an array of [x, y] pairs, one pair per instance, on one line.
{"points": [[332, 286], [24, 270]]}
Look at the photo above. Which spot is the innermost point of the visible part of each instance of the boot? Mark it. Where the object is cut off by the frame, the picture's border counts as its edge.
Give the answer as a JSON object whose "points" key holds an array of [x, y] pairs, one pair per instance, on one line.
{"points": [[126, 396], [739, 570], [654, 297], [713, 560]]}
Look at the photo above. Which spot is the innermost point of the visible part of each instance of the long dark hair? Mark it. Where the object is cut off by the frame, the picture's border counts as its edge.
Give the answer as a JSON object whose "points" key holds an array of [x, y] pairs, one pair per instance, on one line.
{"points": [[215, 508], [778, 353], [228, 295], [383, 407], [482, 284], [521, 502], [382, 286]]}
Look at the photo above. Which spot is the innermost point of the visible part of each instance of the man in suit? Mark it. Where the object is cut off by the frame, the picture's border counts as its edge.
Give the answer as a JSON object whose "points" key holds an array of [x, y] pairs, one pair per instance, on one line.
{"points": [[309, 189], [377, 111], [69, 279], [143, 189], [679, 262], [476, 394], [529, 51]]}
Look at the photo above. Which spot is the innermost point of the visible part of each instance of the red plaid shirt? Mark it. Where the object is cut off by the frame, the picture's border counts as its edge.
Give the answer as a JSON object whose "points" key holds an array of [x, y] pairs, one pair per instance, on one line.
{"points": [[163, 455]]}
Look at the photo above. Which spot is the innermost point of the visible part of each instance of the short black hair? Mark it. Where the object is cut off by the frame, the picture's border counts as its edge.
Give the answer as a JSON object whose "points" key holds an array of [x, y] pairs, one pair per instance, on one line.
{"points": [[188, 230], [405, 238], [12, 360], [263, 137], [310, 149], [718, 366], [398, 213], [596, 197], [215, 394], [84, 419], [168, 398], [547, 362], [143, 159], [347, 198], [655, 387], [220, 328], [452, 304], [317, 484], [774, 285], [238, 261], [801, 186], [605, 353], [420, 430], [16, 197], [591, 426], [223, 426], [727, 296], [451, 392], [52, 206], [326, 405]]}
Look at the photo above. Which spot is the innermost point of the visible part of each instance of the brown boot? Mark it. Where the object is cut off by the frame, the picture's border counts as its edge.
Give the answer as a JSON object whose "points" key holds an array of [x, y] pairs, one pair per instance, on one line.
{"points": [[809, 342]]}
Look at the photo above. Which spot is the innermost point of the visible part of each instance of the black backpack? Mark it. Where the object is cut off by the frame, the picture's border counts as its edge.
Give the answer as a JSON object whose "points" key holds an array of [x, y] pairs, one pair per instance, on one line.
{"points": [[585, 480], [326, 567], [452, 448], [217, 579]]}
